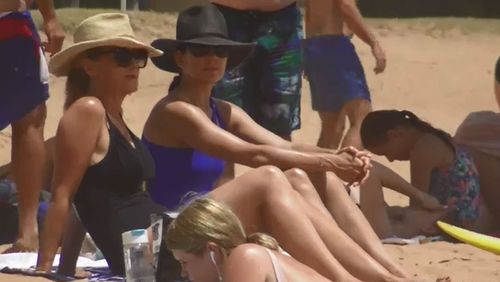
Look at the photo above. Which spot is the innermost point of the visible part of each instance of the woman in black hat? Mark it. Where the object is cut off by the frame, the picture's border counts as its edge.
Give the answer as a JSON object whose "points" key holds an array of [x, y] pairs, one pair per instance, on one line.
{"points": [[190, 135]]}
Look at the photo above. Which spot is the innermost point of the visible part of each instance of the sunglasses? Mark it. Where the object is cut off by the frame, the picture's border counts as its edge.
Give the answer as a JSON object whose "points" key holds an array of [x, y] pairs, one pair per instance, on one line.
{"points": [[200, 50], [123, 57]]}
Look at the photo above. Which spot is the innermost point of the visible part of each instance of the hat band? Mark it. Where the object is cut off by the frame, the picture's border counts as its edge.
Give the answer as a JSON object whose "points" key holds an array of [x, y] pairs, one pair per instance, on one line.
{"points": [[205, 34]]}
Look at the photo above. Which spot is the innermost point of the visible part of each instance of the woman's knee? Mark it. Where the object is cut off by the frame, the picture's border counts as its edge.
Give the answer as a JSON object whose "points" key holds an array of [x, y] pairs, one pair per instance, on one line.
{"points": [[297, 175], [274, 187], [299, 180], [269, 176]]}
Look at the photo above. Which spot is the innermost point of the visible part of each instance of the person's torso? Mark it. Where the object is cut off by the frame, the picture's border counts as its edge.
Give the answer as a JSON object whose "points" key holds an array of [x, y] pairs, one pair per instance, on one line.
{"points": [[119, 176], [255, 5], [181, 170], [323, 17], [112, 196], [457, 184]]}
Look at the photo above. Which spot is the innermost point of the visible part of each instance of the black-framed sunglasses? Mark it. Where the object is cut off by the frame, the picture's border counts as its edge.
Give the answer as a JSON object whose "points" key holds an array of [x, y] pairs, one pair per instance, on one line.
{"points": [[123, 57], [201, 50]]}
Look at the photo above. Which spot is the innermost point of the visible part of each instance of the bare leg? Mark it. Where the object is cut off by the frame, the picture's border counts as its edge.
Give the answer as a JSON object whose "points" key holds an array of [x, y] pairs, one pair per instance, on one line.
{"points": [[356, 110], [301, 183], [374, 207], [267, 190], [28, 159], [263, 200], [332, 129], [352, 221]]}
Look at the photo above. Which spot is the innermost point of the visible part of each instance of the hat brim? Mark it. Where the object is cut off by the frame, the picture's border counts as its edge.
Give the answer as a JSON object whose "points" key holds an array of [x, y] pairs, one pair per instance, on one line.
{"points": [[61, 62], [237, 51]]}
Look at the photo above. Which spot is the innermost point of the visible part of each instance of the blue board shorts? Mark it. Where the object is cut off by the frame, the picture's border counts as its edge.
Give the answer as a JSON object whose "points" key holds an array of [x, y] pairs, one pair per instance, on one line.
{"points": [[267, 85], [23, 69], [334, 72]]}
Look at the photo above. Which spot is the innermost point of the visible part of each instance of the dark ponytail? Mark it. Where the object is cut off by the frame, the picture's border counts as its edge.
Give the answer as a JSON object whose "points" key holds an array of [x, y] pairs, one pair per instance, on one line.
{"points": [[376, 125], [427, 127]]}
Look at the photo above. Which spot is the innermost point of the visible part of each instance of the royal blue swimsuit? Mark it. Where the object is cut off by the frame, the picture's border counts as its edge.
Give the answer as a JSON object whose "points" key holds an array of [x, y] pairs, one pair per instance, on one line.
{"points": [[183, 170]]}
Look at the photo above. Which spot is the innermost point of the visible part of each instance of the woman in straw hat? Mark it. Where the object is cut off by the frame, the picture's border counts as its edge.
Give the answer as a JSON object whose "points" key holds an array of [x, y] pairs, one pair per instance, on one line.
{"points": [[191, 135], [98, 162]]}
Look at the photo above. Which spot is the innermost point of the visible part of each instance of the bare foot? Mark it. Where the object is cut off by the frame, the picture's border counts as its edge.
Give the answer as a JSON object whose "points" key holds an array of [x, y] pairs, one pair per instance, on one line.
{"points": [[399, 272], [23, 246]]}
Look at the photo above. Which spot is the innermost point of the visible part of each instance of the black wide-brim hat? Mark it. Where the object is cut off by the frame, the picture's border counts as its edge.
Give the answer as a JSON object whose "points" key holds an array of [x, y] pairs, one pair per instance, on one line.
{"points": [[203, 25]]}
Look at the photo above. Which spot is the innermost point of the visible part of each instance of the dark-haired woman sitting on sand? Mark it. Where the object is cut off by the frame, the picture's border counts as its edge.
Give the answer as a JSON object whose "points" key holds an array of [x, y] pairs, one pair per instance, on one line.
{"points": [[439, 168], [210, 243], [191, 135]]}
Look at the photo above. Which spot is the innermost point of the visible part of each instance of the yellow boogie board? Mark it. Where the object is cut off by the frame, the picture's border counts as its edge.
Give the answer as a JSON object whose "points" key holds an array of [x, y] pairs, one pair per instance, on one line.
{"points": [[485, 242]]}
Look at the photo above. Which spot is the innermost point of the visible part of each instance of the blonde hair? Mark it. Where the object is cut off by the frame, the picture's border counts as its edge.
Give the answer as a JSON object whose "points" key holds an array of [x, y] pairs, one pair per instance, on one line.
{"points": [[205, 220]]}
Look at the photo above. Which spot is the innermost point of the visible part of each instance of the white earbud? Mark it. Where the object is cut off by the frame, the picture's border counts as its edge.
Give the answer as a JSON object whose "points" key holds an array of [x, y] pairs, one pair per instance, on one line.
{"points": [[212, 258]]}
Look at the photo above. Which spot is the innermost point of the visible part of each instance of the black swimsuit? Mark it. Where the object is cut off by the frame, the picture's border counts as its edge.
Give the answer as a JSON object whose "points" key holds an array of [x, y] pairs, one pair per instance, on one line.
{"points": [[111, 198]]}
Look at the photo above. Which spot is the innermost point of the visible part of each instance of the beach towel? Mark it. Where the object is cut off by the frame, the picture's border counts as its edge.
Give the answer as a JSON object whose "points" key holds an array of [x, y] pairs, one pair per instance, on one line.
{"points": [[417, 240], [23, 264]]}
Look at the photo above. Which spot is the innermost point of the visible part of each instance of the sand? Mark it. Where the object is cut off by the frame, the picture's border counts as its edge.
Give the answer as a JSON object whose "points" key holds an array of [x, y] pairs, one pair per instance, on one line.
{"points": [[441, 77]]}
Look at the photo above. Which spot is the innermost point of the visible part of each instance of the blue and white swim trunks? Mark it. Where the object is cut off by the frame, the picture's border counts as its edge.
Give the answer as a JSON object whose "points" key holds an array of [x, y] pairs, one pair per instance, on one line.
{"points": [[23, 69]]}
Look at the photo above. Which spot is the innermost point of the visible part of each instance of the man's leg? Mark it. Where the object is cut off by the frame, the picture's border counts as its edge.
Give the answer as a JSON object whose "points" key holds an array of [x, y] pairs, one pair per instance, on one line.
{"points": [[332, 129], [28, 159], [356, 110]]}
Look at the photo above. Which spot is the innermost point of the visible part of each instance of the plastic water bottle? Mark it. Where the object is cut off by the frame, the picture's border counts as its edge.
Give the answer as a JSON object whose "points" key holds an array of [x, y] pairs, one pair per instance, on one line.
{"points": [[139, 266]]}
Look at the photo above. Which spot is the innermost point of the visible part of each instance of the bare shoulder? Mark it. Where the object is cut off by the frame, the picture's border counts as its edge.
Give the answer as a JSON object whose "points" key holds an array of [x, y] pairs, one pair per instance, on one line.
{"points": [[249, 253], [85, 108], [433, 149], [428, 144], [179, 109]]}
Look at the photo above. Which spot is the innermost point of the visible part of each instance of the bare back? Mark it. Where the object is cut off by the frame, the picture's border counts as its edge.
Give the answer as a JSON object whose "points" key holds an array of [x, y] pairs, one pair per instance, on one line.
{"points": [[255, 5], [267, 265], [13, 5], [323, 17], [296, 271]]}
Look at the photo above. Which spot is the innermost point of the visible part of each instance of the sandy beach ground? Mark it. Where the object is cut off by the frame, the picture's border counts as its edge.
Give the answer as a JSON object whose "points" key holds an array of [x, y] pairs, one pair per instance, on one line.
{"points": [[441, 76]]}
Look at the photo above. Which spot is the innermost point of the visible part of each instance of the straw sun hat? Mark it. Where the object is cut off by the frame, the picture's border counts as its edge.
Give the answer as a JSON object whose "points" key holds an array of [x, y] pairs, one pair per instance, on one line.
{"points": [[108, 29]]}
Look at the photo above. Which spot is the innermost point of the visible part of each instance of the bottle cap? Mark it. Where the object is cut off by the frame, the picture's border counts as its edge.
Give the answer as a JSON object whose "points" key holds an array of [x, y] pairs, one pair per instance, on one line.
{"points": [[136, 236]]}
